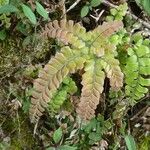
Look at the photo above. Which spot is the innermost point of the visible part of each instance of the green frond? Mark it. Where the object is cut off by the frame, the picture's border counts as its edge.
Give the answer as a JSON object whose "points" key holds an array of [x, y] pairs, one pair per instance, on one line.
{"points": [[68, 87], [136, 70], [57, 101], [92, 81], [50, 78]]}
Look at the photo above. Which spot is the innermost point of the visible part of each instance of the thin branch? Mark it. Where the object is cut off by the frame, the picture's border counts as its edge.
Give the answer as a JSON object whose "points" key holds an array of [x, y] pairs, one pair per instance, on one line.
{"points": [[63, 8], [146, 24], [73, 5], [97, 17]]}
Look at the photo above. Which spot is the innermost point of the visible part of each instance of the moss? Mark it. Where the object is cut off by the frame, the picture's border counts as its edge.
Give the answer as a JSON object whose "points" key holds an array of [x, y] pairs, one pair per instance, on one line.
{"points": [[20, 132], [14, 57], [16, 63], [144, 143]]}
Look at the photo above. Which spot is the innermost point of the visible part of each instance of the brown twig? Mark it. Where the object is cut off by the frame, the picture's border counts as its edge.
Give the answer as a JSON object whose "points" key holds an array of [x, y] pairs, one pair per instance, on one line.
{"points": [[63, 8]]}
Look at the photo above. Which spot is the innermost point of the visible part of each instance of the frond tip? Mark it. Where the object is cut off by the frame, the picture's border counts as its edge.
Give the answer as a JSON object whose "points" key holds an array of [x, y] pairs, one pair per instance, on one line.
{"points": [[92, 81], [66, 32], [113, 72]]}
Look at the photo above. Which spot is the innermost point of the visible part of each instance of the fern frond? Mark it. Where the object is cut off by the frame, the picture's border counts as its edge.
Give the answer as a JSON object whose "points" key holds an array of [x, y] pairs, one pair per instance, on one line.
{"points": [[57, 101], [99, 40], [113, 72], [137, 66], [92, 81], [88, 50], [108, 28], [67, 32], [65, 62]]}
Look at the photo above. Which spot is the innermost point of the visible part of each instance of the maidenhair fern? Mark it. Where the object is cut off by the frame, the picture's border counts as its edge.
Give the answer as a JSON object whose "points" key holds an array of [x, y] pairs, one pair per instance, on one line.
{"points": [[91, 51], [98, 53], [137, 69]]}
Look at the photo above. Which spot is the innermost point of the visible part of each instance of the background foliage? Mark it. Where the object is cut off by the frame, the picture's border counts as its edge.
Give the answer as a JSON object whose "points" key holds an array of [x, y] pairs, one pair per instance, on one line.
{"points": [[121, 119]]}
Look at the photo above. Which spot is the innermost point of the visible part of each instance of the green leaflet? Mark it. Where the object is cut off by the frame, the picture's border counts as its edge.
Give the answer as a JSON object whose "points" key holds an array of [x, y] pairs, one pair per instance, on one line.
{"points": [[29, 14], [40, 9], [94, 137], [131, 145], [142, 50], [145, 70], [141, 89], [85, 11], [8, 8], [95, 3], [144, 82], [144, 61], [57, 135]]}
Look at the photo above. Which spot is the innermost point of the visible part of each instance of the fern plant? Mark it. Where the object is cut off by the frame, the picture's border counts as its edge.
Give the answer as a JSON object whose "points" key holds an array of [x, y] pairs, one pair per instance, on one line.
{"points": [[91, 51], [137, 69]]}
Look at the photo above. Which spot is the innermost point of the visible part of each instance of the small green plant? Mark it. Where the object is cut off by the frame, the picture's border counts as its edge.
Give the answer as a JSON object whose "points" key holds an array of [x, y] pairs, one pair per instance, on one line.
{"points": [[117, 13], [137, 69], [57, 137], [95, 129], [89, 6], [68, 87], [27, 11], [31, 16]]}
